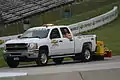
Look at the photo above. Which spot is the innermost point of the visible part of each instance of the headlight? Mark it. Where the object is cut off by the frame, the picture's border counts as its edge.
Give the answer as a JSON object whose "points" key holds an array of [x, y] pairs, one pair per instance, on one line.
{"points": [[32, 46]]}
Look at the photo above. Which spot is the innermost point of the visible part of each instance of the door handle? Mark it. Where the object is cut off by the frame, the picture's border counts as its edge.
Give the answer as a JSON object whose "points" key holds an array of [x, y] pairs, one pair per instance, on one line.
{"points": [[71, 39], [60, 41]]}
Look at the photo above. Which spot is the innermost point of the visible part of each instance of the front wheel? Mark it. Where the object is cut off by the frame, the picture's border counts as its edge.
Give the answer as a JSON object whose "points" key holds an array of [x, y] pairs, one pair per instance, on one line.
{"points": [[12, 63], [42, 58], [86, 55]]}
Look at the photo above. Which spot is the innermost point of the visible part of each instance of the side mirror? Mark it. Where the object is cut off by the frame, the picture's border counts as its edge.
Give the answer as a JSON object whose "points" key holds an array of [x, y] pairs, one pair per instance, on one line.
{"points": [[71, 39]]}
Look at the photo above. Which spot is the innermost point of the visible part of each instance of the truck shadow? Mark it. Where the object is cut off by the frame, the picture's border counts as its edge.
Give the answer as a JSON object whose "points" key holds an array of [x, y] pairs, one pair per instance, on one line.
{"points": [[64, 63]]}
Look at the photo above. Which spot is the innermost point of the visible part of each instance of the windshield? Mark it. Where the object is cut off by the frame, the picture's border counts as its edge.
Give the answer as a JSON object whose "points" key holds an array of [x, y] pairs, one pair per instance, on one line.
{"points": [[40, 33]]}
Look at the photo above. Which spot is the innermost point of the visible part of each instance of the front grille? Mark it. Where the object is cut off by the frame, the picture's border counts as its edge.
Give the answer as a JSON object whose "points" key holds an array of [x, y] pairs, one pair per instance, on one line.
{"points": [[16, 47]]}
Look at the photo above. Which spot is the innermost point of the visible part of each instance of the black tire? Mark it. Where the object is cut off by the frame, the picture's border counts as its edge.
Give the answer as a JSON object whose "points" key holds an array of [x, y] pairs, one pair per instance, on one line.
{"points": [[86, 54], [42, 57], [12, 63], [102, 58], [58, 60]]}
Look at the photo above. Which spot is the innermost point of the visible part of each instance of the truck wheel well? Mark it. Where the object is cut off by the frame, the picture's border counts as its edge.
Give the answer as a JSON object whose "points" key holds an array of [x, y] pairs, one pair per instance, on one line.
{"points": [[45, 48], [88, 44]]}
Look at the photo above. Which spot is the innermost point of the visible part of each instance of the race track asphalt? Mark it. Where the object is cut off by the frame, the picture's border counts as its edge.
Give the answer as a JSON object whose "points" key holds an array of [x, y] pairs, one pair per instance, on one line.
{"points": [[67, 66]]}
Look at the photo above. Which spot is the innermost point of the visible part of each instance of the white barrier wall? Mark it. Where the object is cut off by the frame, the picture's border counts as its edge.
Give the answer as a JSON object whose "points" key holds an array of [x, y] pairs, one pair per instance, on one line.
{"points": [[94, 22], [84, 25]]}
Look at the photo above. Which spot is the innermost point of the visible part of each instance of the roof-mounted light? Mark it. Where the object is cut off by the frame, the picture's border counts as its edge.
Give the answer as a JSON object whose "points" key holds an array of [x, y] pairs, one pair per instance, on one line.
{"points": [[48, 25]]}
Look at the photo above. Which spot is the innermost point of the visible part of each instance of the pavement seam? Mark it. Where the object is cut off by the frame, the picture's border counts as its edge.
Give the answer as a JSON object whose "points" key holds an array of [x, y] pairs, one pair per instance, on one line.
{"points": [[81, 75]]}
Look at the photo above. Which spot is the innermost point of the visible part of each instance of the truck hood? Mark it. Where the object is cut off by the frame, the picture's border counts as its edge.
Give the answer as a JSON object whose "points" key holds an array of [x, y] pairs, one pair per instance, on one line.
{"points": [[26, 40]]}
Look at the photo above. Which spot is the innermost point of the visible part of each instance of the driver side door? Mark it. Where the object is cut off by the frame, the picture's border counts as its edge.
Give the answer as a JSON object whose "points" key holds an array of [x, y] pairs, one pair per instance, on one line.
{"points": [[55, 42]]}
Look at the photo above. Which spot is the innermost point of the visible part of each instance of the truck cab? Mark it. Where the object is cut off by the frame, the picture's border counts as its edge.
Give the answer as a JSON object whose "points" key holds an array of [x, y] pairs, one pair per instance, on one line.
{"points": [[49, 42]]}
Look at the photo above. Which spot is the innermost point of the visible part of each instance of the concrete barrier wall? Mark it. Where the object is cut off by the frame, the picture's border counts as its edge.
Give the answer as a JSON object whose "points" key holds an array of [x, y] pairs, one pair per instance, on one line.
{"points": [[108, 74], [94, 22]]}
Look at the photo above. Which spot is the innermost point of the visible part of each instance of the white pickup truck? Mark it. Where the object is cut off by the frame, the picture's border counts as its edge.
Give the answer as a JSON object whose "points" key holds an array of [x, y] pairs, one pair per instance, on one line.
{"points": [[48, 42]]}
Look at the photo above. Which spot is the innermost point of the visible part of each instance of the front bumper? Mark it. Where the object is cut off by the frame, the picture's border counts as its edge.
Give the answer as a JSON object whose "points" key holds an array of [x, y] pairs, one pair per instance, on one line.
{"points": [[21, 55]]}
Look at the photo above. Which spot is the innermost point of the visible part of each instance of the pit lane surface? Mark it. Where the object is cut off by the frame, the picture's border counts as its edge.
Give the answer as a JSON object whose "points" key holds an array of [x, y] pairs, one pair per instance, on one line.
{"points": [[69, 66]]}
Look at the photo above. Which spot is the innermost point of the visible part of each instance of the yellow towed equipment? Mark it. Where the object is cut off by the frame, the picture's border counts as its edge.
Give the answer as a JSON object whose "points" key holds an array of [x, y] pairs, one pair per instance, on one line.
{"points": [[102, 51]]}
